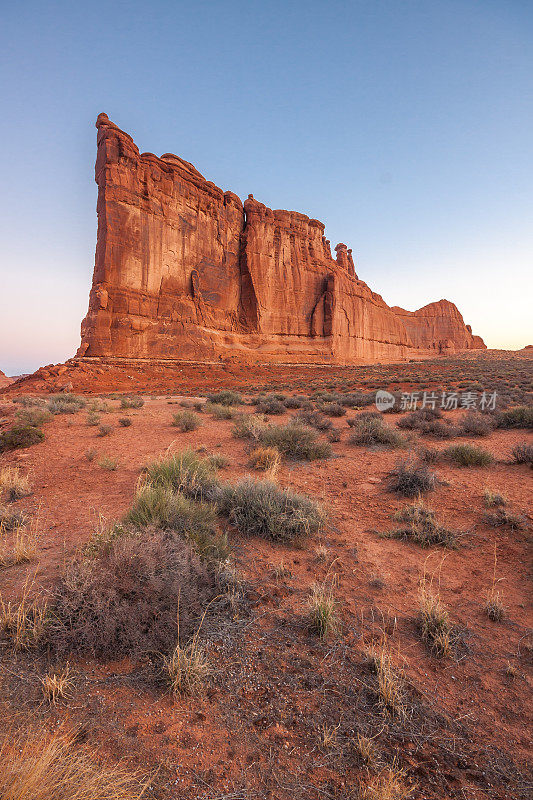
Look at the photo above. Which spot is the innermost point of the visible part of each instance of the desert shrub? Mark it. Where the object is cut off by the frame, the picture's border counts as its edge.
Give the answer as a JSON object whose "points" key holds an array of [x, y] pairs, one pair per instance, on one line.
{"points": [[468, 455], [422, 527], [410, 478], [20, 436], [271, 407], [522, 453], [261, 508], [124, 600], [333, 435], [504, 518], [248, 426], [475, 424], [125, 421], [264, 458], [294, 441], [225, 397], [440, 429], [108, 463], [66, 404], [333, 409], [160, 507], [132, 401], [518, 417], [357, 399], [104, 430], [93, 418], [416, 420], [26, 401], [493, 499], [315, 419], [293, 402], [35, 417], [37, 766], [187, 473], [218, 461], [354, 421], [186, 421], [430, 455], [369, 431], [219, 411]]}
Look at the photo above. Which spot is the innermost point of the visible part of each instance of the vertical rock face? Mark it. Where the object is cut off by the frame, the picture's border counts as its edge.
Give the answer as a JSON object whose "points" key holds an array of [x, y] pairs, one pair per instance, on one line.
{"points": [[439, 326], [184, 270], [4, 380]]}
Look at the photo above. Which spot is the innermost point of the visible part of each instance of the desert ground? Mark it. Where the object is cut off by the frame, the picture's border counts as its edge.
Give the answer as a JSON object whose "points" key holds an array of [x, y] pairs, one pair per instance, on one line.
{"points": [[354, 642]]}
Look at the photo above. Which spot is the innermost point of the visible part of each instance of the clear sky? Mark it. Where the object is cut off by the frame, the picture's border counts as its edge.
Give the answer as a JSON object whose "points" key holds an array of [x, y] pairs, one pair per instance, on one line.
{"points": [[404, 125]]}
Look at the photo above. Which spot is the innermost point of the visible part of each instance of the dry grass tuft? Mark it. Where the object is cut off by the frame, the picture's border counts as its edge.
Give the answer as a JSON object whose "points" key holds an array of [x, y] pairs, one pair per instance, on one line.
{"points": [[494, 607], [435, 627], [494, 499], [56, 685], [23, 624], [35, 766], [390, 683], [187, 668], [266, 458], [323, 609], [389, 784], [13, 484]]}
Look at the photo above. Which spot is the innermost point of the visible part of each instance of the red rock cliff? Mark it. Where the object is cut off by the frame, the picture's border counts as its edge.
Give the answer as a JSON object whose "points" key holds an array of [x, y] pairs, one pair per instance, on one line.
{"points": [[439, 326], [184, 270]]}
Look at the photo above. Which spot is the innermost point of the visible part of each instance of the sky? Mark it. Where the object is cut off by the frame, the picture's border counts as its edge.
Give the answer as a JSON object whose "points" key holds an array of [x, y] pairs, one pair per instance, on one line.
{"points": [[404, 125]]}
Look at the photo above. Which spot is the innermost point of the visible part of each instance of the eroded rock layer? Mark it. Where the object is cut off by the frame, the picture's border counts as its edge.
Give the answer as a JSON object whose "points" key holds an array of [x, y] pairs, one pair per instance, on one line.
{"points": [[184, 270]]}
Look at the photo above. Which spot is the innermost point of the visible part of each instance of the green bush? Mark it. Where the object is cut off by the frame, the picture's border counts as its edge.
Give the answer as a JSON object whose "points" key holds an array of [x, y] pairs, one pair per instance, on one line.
{"points": [[20, 436], [522, 453], [225, 398], [261, 508], [410, 478], [66, 404], [160, 507], [369, 430], [475, 424], [421, 527], [271, 407], [185, 472], [468, 455], [294, 441], [333, 409], [35, 417], [186, 421], [131, 402], [219, 411], [105, 430], [519, 417]]}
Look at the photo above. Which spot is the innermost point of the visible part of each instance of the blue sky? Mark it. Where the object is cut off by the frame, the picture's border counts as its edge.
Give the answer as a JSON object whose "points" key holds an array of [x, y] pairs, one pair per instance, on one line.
{"points": [[404, 125]]}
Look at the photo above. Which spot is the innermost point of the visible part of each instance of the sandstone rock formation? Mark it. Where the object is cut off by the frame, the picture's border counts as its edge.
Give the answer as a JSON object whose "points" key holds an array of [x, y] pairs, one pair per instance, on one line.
{"points": [[186, 271], [4, 380]]}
